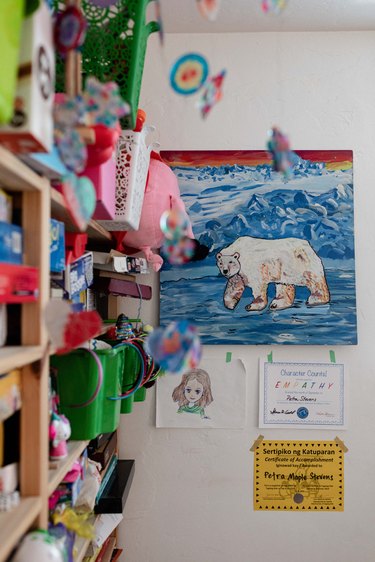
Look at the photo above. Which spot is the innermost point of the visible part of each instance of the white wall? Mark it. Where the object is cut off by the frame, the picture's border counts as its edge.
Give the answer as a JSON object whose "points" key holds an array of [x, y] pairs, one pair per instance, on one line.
{"points": [[191, 498]]}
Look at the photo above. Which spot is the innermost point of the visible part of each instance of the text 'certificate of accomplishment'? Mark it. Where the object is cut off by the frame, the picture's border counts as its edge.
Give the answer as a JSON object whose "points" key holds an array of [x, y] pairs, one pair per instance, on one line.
{"points": [[303, 395]]}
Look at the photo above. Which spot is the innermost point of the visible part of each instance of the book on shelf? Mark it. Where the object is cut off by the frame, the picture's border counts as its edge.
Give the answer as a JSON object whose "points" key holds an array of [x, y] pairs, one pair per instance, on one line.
{"points": [[114, 275], [104, 453], [106, 475], [106, 551], [116, 554], [122, 288], [116, 492]]}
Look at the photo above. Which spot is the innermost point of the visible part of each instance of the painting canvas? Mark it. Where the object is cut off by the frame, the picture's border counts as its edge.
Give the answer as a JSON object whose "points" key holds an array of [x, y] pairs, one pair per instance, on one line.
{"points": [[210, 396], [280, 267]]}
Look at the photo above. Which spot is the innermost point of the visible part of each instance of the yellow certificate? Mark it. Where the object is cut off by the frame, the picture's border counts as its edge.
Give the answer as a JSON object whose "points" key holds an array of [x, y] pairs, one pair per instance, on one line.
{"points": [[299, 475]]}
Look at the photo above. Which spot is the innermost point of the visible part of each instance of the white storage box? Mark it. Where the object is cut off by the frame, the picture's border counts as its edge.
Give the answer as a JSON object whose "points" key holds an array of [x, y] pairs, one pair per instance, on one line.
{"points": [[132, 162], [31, 128]]}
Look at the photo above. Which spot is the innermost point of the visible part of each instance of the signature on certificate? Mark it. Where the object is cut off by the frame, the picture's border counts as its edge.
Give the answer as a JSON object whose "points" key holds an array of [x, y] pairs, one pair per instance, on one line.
{"points": [[274, 411]]}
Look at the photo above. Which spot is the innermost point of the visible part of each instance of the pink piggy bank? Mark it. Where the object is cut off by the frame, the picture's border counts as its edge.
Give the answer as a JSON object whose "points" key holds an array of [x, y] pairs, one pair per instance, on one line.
{"points": [[162, 194]]}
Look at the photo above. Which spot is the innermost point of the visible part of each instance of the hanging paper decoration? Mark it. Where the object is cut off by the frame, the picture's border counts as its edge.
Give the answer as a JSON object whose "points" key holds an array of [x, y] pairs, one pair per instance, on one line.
{"points": [[212, 93], [72, 149], [174, 224], [275, 6], [278, 145], [209, 8], [175, 348], [159, 19], [103, 102], [188, 74], [68, 329], [80, 199], [177, 248], [179, 251], [70, 30]]}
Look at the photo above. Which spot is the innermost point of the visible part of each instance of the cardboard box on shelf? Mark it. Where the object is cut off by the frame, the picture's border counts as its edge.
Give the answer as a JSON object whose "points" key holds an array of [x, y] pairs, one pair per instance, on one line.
{"points": [[31, 128], [10, 243]]}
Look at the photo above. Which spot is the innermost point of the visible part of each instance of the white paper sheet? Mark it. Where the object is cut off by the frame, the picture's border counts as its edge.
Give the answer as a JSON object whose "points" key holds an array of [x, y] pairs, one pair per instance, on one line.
{"points": [[302, 395], [195, 401]]}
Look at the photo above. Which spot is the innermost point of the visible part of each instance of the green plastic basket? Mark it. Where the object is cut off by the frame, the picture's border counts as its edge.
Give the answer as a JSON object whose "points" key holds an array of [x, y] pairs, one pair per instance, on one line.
{"points": [[77, 377], [115, 48]]}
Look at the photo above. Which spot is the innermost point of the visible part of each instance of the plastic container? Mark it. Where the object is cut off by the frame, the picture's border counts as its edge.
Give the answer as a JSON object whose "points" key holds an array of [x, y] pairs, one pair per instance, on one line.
{"points": [[115, 48], [131, 369], [77, 378], [132, 163]]}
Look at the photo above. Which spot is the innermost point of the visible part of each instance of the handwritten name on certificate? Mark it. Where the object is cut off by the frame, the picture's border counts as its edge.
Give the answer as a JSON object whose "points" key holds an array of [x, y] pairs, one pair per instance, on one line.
{"points": [[303, 395]]}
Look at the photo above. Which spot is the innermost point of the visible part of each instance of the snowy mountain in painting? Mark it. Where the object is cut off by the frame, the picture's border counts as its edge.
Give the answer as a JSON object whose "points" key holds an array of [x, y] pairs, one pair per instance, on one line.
{"points": [[228, 201]]}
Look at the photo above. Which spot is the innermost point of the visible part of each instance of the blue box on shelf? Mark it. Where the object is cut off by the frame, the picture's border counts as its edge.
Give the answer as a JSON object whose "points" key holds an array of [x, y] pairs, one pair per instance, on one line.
{"points": [[57, 246], [79, 275], [10, 243]]}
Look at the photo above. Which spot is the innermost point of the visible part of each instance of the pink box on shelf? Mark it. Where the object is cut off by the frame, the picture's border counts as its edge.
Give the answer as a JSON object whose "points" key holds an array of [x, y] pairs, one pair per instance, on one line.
{"points": [[104, 179]]}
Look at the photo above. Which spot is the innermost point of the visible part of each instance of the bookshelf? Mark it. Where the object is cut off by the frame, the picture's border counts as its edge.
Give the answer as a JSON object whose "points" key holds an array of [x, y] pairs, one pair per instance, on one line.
{"points": [[38, 201]]}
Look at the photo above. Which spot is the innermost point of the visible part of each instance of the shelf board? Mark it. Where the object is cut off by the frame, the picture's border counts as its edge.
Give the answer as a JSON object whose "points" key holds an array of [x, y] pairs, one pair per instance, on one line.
{"points": [[13, 524], [15, 175], [55, 475], [13, 357], [59, 211]]}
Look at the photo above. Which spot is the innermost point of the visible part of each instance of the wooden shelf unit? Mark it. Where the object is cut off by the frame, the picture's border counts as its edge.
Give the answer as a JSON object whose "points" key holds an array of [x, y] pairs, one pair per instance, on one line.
{"points": [[96, 233], [31, 356], [55, 475], [15, 523], [37, 481]]}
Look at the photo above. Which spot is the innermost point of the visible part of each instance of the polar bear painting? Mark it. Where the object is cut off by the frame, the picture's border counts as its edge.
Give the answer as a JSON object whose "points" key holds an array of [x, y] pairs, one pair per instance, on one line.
{"points": [[257, 262]]}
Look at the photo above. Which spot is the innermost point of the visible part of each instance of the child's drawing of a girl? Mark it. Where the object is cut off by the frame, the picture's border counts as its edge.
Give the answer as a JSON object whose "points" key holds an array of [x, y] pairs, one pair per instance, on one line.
{"points": [[193, 393]]}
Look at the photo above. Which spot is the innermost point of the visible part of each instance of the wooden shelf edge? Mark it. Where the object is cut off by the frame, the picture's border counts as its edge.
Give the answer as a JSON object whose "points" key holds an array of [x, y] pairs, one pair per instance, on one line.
{"points": [[15, 175], [13, 524], [13, 357], [55, 475], [81, 544], [59, 211]]}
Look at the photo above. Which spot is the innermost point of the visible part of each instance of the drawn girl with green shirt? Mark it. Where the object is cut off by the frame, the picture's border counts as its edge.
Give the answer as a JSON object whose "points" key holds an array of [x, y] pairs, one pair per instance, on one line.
{"points": [[193, 393]]}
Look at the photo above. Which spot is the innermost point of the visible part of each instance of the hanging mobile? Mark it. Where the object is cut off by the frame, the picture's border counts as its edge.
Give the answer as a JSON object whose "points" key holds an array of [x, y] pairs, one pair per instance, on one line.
{"points": [[275, 6], [212, 92], [209, 8], [188, 74], [70, 30]]}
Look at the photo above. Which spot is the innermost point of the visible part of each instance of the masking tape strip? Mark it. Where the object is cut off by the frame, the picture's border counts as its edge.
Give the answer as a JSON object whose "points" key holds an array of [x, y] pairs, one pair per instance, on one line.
{"points": [[228, 358], [256, 443], [341, 444], [332, 356], [269, 357]]}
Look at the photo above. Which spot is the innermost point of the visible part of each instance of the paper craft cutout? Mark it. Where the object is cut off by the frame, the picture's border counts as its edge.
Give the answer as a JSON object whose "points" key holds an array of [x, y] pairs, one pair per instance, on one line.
{"points": [[80, 199], [68, 329], [209, 9], [212, 93], [188, 74], [175, 348], [275, 6]]}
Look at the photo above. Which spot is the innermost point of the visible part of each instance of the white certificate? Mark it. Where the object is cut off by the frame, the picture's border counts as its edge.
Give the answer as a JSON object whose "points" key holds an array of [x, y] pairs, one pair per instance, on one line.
{"points": [[303, 395]]}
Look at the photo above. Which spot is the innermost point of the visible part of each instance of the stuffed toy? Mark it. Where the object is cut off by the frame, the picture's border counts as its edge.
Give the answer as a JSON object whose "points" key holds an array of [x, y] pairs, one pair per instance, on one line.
{"points": [[162, 194]]}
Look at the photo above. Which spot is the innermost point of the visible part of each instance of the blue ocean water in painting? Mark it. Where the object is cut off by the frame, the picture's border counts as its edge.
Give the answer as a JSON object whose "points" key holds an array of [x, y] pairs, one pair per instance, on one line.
{"points": [[230, 201]]}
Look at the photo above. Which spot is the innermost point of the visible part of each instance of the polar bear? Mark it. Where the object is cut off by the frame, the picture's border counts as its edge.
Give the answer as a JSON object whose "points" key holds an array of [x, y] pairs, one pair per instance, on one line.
{"points": [[256, 262]]}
